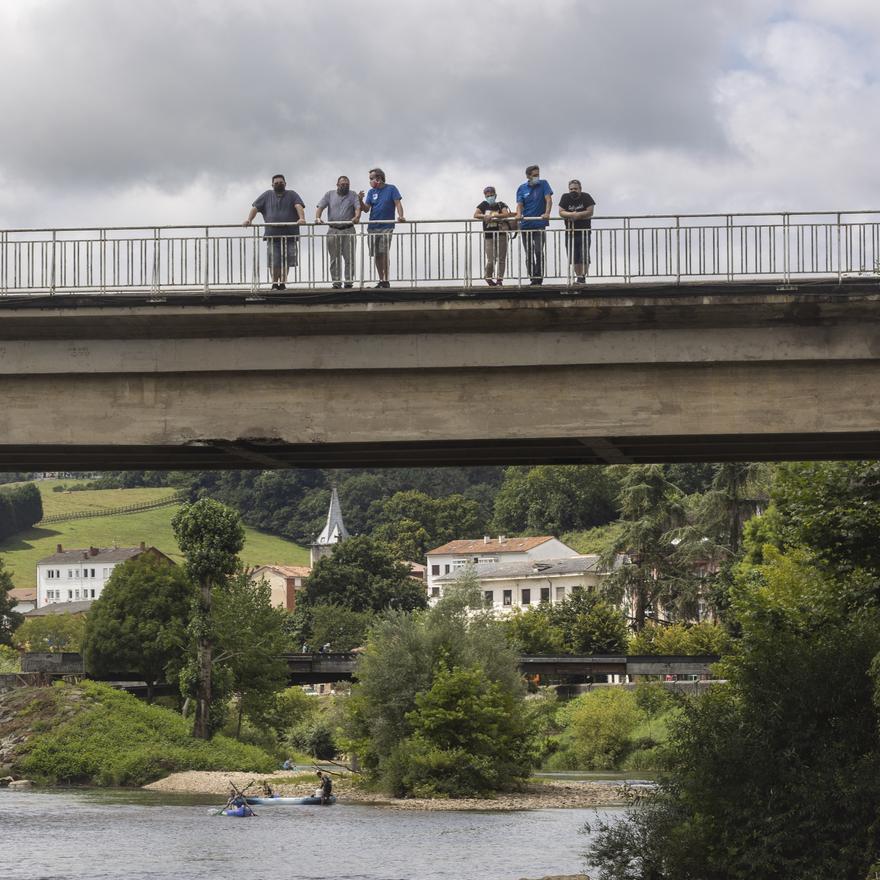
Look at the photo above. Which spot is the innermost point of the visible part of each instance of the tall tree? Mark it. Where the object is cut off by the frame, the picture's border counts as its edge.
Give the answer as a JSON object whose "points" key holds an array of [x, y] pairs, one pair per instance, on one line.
{"points": [[364, 575], [650, 509], [139, 624], [210, 536], [9, 619]]}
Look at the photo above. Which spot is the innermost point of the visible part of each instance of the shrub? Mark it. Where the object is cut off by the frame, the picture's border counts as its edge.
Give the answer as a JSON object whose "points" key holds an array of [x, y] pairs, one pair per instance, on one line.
{"points": [[598, 729], [315, 736]]}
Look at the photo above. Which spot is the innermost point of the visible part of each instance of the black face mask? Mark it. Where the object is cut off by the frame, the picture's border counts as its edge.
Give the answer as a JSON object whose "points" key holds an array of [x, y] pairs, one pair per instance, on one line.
{"points": [[342, 189], [278, 187]]}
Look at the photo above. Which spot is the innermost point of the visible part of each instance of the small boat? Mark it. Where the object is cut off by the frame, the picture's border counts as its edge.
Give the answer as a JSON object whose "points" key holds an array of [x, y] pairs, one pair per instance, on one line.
{"points": [[311, 801], [241, 812]]}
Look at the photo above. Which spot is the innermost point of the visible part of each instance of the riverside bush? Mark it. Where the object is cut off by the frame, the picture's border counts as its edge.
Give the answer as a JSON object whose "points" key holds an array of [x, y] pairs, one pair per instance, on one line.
{"points": [[112, 738]]}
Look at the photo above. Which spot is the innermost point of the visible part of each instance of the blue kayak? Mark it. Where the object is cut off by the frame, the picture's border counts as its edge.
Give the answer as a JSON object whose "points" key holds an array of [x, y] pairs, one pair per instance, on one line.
{"points": [[241, 812], [290, 801]]}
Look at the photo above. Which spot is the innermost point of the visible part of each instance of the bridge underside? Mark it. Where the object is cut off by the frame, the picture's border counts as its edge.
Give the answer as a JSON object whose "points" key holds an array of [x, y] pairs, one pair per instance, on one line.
{"points": [[601, 376], [226, 455]]}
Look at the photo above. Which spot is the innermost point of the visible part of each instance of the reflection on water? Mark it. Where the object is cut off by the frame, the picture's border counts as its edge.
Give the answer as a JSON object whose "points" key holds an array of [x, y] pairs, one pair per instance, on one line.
{"points": [[141, 835]]}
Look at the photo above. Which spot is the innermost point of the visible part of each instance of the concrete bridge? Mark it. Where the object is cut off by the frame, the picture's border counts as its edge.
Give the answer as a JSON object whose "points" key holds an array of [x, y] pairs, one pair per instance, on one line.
{"points": [[697, 340]]}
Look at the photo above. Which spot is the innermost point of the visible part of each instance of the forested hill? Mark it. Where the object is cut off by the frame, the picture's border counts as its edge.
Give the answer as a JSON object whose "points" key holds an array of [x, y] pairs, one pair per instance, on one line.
{"points": [[438, 504]]}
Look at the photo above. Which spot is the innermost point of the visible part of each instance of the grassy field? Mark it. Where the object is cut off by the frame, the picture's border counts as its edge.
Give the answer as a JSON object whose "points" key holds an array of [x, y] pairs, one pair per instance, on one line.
{"points": [[21, 551], [55, 503]]}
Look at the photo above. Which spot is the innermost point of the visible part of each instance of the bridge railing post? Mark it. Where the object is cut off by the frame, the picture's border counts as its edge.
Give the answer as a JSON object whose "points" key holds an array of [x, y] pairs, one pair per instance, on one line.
{"points": [[839, 251]]}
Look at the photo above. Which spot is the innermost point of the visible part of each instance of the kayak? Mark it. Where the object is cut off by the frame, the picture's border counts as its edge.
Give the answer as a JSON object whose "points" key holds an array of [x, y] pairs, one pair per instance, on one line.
{"points": [[290, 801], [241, 812]]}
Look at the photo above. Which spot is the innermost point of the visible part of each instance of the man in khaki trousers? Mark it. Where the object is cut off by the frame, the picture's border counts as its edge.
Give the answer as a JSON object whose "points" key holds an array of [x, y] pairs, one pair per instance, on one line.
{"points": [[492, 212]]}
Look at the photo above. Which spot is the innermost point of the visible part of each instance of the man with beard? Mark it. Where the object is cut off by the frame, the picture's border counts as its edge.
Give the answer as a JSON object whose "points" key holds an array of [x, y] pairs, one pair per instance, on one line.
{"points": [[279, 205], [343, 212], [576, 208], [381, 202]]}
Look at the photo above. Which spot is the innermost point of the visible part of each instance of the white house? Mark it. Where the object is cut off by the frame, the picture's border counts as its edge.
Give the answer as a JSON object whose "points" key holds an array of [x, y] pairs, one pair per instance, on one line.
{"points": [[456, 555], [80, 575], [508, 586], [285, 581]]}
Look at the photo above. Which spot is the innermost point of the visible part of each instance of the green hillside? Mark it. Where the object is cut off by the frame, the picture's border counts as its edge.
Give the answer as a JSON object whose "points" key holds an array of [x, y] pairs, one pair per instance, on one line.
{"points": [[58, 503], [21, 551]]}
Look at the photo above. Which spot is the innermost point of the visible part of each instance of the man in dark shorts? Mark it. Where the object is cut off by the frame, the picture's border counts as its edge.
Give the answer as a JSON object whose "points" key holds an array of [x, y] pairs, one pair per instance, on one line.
{"points": [[381, 203], [576, 208], [326, 787], [279, 205], [490, 210]]}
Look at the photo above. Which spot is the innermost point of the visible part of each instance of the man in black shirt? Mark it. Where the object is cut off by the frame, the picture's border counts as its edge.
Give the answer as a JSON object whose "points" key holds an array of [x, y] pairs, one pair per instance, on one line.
{"points": [[576, 208], [494, 235]]}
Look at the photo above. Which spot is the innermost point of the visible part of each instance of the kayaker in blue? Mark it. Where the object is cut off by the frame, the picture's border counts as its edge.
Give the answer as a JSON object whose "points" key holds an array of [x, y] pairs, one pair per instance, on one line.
{"points": [[534, 201], [381, 202]]}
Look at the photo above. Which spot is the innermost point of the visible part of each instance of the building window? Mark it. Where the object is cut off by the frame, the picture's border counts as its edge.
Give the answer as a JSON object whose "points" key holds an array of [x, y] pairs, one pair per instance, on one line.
{"points": [[486, 559], [527, 597], [560, 594], [93, 573], [435, 571], [446, 567], [545, 594], [50, 573], [435, 592], [459, 563], [488, 597], [58, 572], [69, 595], [70, 572], [508, 597], [93, 594]]}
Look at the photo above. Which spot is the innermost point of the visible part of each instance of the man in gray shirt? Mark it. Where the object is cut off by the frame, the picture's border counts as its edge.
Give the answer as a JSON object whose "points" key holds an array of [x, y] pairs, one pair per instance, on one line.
{"points": [[343, 211], [279, 205]]}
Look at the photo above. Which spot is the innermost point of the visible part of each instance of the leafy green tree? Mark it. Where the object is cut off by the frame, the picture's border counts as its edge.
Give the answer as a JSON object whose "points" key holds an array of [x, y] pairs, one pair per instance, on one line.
{"points": [[598, 726], [413, 522], [470, 736], [249, 641], [650, 509], [363, 574], [403, 655], [9, 660], [55, 633], [341, 627], [210, 536], [552, 499], [583, 623], [9, 619], [682, 638], [139, 623], [748, 758]]}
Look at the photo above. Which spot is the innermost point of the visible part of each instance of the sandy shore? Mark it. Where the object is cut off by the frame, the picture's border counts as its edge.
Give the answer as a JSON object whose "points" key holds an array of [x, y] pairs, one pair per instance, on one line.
{"points": [[537, 796]]}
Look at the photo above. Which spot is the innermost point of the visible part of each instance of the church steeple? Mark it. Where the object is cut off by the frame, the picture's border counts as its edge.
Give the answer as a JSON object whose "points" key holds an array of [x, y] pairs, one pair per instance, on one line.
{"points": [[334, 531]]}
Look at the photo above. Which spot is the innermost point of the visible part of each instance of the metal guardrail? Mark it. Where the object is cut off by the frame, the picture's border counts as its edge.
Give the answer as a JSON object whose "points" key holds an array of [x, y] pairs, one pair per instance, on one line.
{"points": [[443, 253]]}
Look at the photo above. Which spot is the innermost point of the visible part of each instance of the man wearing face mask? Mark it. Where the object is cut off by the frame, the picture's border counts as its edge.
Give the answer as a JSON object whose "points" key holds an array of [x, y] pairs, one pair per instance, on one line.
{"points": [[576, 208], [343, 211], [490, 210], [534, 200], [279, 205]]}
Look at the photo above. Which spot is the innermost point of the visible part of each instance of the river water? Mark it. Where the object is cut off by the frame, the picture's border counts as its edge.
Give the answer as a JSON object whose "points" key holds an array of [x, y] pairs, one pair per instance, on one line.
{"points": [[140, 835]]}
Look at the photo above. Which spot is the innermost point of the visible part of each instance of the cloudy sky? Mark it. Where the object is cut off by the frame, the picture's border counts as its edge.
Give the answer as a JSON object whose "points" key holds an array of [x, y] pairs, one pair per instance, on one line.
{"points": [[116, 112]]}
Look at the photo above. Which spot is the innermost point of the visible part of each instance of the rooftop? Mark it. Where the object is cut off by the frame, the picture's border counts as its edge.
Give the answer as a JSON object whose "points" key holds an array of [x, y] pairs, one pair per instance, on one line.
{"points": [[531, 568], [61, 608], [286, 570], [94, 554], [500, 544]]}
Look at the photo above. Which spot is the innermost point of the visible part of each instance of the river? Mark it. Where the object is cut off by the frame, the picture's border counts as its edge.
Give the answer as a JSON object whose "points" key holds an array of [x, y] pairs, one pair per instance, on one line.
{"points": [[140, 835]]}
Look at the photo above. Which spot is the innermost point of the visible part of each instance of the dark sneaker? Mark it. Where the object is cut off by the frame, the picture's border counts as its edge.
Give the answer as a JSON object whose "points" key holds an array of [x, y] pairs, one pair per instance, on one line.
{"points": [[385, 284], [499, 282], [282, 287], [348, 285], [276, 287], [581, 280], [490, 282], [337, 284]]}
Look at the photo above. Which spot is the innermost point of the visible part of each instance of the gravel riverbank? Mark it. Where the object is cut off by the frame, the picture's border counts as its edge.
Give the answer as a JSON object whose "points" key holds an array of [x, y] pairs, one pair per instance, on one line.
{"points": [[551, 794]]}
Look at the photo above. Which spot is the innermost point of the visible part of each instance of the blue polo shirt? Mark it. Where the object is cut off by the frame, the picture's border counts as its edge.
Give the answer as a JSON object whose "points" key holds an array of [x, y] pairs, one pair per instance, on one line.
{"points": [[380, 204], [532, 198]]}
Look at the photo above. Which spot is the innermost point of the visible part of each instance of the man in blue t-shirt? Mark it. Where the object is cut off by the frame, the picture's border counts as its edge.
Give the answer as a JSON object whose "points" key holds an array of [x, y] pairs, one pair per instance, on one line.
{"points": [[279, 205], [534, 200], [381, 202]]}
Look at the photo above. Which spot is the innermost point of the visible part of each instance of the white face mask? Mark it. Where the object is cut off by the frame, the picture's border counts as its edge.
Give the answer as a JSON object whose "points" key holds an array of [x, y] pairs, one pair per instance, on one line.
{"points": [[534, 179]]}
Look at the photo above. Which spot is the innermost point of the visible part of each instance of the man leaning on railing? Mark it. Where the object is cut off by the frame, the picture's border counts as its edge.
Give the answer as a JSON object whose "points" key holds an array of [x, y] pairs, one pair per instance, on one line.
{"points": [[280, 205], [576, 208], [343, 212], [490, 211], [534, 201]]}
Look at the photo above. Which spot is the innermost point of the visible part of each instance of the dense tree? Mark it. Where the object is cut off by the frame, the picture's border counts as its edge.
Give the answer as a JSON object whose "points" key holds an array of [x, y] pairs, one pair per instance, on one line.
{"points": [[364, 575], [681, 638], [403, 656], [210, 536], [553, 499], [139, 624], [20, 507], [9, 619], [340, 627], [413, 523], [54, 633], [775, 774], [650, 509], [249, 641], [581, 624]]}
